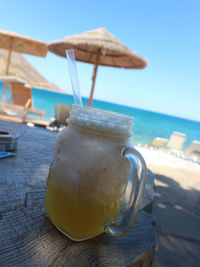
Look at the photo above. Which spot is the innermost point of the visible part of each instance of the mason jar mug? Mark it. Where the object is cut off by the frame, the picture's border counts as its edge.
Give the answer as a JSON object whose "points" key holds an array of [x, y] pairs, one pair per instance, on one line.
{"points": [[96, 180]]}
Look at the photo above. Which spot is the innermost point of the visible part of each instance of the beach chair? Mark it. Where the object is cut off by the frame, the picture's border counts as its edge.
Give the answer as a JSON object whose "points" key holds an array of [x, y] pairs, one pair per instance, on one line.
{"points": [[158, 142], [62, 113], [6, 81], [22, 101], [193, 149], [176, 141]]}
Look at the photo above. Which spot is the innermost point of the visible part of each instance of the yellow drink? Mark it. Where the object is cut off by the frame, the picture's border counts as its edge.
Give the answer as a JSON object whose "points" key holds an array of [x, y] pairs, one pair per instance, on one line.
{"points": [[81, 213]]}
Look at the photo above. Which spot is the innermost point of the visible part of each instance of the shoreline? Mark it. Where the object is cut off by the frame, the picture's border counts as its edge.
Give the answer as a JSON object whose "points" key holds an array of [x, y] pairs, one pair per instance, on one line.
{"points": [[168, 158]]}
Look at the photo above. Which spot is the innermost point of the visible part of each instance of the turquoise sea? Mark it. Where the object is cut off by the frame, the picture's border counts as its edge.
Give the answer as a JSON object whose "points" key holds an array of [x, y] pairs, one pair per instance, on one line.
{"points": [[147, 124]]}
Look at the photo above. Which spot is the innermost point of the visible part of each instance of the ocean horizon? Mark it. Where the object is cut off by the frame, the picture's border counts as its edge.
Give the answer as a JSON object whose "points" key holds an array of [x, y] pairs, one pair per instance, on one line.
{"points": [[147, 124]]}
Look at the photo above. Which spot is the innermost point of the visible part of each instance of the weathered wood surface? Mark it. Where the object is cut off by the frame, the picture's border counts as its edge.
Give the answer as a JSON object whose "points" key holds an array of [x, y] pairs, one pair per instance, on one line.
{"points": [[28, 238]]}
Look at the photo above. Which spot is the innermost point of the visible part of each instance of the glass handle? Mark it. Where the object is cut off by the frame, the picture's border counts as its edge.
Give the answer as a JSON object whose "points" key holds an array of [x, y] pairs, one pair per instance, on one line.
{"points": [[133, 195]]}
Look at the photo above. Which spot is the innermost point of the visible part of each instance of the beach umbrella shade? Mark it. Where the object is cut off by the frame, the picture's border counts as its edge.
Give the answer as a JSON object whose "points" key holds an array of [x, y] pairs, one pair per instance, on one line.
{"points": [[22, 44], [98, 47]]}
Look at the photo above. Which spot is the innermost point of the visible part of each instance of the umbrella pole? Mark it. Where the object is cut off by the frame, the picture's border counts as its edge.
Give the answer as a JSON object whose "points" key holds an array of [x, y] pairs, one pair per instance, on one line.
{"points": [[9, 56], [94, 78]]}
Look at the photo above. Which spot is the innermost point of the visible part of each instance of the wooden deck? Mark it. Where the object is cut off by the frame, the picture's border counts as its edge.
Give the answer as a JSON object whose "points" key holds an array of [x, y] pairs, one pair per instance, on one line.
{"points": [[17, 119]]}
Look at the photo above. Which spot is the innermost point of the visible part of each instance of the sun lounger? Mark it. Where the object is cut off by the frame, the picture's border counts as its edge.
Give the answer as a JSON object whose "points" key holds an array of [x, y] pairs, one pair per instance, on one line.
{"points": [[7, 80], [193, 149], [62, 113], [158, 142], [22, 101], [176, 141]]}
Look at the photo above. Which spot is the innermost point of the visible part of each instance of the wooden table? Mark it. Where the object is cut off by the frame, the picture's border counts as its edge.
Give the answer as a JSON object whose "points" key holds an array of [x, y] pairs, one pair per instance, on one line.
{"points": [[28, 238]]}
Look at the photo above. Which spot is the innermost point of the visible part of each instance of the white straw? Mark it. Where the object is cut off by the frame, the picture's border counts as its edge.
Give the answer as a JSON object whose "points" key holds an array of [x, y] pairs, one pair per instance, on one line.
{"points": [[74, 77]]}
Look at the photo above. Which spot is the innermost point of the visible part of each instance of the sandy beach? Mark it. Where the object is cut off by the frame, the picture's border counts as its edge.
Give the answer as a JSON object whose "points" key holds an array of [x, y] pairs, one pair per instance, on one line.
{"points": [[176, 207]]}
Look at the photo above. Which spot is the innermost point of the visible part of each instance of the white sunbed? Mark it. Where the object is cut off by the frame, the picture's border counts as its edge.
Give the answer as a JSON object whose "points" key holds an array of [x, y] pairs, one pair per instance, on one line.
{"points": [[62, 113], [193, 149], [176, 141], [158, 142]]}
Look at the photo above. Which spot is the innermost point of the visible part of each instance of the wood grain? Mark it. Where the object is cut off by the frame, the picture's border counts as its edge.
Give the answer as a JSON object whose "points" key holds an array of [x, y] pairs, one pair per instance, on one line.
{"points": [[28, 238]]}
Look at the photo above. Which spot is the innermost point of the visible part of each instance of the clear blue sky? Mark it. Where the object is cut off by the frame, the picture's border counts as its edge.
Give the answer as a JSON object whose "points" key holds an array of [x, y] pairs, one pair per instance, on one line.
{"points": [[166, 33]]}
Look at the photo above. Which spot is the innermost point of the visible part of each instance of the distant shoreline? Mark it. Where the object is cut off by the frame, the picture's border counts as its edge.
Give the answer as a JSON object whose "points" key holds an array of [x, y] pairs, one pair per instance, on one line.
{"points": [[57, 89]]}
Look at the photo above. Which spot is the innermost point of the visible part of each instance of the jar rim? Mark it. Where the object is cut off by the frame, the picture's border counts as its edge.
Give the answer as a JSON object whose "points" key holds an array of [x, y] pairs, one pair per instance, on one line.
{"points": [[98, 119]]}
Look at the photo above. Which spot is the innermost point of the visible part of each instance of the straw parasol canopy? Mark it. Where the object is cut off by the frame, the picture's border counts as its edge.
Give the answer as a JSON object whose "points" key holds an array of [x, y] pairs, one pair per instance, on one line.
{"points": [[22, 44], [98, 47]]}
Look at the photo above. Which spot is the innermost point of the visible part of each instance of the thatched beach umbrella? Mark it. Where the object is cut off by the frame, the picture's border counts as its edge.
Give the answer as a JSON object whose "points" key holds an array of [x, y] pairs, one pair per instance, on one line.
{"points": [[98, 47], [22, 44]]}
